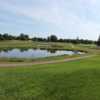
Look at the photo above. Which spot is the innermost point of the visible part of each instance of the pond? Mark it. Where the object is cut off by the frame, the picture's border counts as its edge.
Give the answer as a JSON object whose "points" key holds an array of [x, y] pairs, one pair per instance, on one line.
{"points": [[34, 53]]}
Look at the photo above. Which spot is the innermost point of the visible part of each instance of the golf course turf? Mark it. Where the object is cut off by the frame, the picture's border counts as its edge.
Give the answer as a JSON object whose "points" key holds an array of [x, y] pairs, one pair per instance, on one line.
{"points": [[65, 81], [75, 80]]}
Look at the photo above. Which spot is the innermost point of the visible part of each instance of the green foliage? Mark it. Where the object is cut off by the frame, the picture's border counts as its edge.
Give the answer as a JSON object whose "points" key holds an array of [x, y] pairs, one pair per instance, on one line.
{"points": [[52, 38], [6, 36], [78, 80], [23, 37]]}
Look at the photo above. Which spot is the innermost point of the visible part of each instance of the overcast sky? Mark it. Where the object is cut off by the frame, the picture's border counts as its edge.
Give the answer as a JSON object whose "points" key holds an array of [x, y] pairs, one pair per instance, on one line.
{"points": [[65, 18]]}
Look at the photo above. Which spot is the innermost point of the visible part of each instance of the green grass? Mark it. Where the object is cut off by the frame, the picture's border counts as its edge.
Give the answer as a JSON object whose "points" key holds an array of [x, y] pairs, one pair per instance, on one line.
{"points": [[6, 45], [77, 80], [42, 45]]}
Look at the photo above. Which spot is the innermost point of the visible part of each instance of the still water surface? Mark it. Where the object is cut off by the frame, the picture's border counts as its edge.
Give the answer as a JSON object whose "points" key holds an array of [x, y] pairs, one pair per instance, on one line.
{"points": [[34, 53]]}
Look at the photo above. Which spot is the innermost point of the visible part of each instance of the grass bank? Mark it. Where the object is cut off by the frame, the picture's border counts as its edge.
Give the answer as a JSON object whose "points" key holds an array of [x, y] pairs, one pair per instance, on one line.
{"points": [[42, 45]]}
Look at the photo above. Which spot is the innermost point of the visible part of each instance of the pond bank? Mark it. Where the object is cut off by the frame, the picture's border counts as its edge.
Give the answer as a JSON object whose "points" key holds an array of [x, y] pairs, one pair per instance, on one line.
{"points": [[44, 62]]}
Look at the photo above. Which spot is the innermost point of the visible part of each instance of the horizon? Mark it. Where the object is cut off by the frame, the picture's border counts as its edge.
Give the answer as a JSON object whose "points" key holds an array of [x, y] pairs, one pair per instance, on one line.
{"points": [[45, 37], [63, 18]]}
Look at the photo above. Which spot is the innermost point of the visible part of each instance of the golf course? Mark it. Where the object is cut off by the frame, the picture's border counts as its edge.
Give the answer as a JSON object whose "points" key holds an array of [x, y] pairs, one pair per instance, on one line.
{"points": [[49, 50], [64, 77]]}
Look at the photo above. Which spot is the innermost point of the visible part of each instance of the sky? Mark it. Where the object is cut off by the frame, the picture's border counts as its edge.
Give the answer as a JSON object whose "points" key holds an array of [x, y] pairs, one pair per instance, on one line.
{"points": [[64, 18]]}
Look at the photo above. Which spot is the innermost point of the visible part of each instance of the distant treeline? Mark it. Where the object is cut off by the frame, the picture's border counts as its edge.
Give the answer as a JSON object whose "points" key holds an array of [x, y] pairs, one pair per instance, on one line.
{"points": [[6, 36], [52, 38]]}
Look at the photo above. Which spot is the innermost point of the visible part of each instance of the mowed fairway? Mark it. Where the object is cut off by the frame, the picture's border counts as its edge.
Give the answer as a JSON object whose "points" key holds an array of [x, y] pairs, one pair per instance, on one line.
{"points": [[76, 80]]}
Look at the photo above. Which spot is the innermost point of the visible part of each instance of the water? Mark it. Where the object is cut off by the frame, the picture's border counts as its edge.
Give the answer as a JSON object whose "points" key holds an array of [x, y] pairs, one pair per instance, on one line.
{"points": [[34, 53]]}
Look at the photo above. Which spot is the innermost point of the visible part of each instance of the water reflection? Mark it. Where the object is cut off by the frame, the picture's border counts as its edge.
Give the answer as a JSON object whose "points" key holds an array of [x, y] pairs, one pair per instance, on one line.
{"points": [[34, 53]]}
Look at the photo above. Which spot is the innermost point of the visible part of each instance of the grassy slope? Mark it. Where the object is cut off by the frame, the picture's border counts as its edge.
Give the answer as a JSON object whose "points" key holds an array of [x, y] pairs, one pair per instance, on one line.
{"points": [[78, 80]]}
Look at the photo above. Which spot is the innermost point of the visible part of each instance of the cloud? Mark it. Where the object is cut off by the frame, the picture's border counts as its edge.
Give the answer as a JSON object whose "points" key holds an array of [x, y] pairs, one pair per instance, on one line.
{"points": [[90, 2], [66, 16]]}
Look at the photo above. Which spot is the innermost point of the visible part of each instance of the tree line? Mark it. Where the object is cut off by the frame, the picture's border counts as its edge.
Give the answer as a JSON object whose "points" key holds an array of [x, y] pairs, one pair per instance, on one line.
{"points": [[52, 38], [7, 36]]}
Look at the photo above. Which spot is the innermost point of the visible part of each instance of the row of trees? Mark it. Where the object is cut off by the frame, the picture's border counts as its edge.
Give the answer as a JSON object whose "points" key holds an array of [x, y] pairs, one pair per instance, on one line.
{"points": [[54, 38], [11, 37], [51, 38]]}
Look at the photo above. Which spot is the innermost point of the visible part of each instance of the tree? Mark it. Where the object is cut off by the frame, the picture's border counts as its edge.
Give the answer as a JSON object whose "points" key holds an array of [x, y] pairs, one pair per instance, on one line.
{"points": [[52, 38], [23, 37], [77, 40], [98, 42], [1, 37], [6, 36]]}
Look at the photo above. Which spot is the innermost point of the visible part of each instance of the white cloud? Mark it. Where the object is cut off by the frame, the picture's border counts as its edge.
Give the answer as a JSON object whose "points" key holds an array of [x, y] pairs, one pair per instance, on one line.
{"points": [[90, 1], [61, 13]]}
